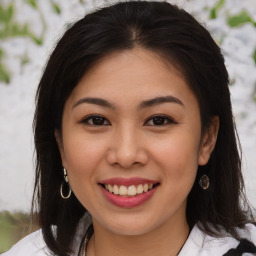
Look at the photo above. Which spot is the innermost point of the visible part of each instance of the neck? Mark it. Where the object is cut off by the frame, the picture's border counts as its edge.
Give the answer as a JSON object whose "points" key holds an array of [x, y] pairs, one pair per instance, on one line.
{"points": [[166, 239]]}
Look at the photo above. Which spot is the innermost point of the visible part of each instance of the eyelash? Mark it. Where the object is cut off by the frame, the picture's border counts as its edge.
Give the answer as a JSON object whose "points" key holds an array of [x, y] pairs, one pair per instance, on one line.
{"points": [[93, 117], [167, 120]]}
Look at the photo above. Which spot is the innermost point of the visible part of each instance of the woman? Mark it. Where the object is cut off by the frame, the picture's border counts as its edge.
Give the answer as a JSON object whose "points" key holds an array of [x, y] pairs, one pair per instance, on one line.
{"points": [[135, 141]]}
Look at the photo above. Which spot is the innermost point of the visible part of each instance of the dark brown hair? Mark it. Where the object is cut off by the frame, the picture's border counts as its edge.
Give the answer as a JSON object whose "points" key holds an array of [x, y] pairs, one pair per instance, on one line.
{"points": [[178, 38]]}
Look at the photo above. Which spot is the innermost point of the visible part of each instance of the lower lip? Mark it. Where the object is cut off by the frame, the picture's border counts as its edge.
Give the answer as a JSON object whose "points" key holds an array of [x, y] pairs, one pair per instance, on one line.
{"points": [[128, 202]]}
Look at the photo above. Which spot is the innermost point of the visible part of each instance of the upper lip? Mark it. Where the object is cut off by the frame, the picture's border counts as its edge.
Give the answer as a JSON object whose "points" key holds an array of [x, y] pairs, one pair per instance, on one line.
{"points": [[127, 181]]}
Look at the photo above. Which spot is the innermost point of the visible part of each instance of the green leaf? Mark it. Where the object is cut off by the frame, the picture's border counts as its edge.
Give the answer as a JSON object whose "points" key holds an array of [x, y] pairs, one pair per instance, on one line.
{"points": [[4, 74], [2, 34], [10, 11], [216, 8], [6, 14], [1, 54], [18, 30], [14, 30], [56, 7], [32, 3], [37, 40], [240, 19], [213, 14], [254, 56], [24, 60]]}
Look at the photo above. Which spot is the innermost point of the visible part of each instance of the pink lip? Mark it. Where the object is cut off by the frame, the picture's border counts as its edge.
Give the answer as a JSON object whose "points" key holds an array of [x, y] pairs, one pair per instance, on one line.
{"points": [[127, 181], [128, 202]]}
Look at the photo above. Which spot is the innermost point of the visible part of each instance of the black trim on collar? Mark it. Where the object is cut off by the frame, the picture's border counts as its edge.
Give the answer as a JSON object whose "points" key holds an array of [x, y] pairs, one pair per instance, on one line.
{"points": [[245, 246]]}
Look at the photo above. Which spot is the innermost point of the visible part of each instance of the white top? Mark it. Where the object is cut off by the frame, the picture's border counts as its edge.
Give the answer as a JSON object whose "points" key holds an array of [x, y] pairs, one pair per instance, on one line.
{"points": [[198, 243]]}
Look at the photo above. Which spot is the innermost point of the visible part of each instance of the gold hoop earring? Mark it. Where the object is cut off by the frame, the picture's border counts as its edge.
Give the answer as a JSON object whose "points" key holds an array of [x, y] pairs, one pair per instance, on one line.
{"points": [[61, 191], [204, 182], [61, 186]]}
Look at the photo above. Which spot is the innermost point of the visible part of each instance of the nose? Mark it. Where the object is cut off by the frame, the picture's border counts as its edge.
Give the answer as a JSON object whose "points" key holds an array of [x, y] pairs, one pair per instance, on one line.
{"points": [[126, 149]]}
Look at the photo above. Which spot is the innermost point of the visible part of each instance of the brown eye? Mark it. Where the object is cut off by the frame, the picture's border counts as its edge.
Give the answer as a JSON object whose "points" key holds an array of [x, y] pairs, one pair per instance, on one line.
{"points": [[96, 120], [159, 121]]}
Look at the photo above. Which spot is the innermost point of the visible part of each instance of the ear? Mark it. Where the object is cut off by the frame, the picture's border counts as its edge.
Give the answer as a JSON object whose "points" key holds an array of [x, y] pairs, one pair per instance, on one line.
{"points": [[208, 141], [59, 141]]}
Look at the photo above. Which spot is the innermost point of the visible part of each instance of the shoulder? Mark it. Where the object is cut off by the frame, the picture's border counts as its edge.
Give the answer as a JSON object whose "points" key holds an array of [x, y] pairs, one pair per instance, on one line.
{"points": [[32, 244], [202, 244]]}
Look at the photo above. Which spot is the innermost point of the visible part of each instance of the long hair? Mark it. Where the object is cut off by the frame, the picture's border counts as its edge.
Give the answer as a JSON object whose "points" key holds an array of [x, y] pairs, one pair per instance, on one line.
{"points": [[178, 38]]}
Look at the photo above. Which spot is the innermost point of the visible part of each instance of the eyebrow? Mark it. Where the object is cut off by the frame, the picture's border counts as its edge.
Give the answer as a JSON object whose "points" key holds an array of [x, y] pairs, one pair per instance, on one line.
{"points": [[143, 104], [96, 101], [160, 100]]}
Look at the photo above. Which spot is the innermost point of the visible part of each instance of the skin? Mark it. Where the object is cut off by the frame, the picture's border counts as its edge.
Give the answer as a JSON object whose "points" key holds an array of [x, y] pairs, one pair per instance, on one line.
{"points": [[129, 144]]}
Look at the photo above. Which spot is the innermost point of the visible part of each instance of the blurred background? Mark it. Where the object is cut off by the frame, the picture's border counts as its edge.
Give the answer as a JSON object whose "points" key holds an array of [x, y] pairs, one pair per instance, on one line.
{"points": [[29, 30]]}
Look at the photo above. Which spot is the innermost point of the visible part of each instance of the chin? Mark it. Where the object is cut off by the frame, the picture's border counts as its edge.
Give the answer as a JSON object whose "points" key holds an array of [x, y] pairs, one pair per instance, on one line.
{"points": [[130, 226]]}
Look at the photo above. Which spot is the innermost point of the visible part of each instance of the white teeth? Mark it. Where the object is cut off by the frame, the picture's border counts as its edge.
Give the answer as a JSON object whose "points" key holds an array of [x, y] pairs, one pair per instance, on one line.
{"points": [[140, 189], [115, 190], [145, 187], [110, 188], [123, 191], [132, 190]]}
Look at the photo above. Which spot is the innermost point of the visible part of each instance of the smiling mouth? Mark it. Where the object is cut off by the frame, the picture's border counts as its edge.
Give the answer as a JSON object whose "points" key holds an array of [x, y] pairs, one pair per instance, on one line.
{"points": [[129, 191]]}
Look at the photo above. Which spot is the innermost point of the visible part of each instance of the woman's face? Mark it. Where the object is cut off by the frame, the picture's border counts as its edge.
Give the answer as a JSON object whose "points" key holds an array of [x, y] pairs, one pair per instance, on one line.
{"points": [[132, 123]]}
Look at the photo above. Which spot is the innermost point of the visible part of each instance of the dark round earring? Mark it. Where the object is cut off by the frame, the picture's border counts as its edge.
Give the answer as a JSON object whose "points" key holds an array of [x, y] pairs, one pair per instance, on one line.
{"points": [[204, 182]]}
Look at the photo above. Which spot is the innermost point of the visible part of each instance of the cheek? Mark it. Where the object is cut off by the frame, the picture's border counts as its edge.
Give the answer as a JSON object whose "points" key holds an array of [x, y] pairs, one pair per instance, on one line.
{"points": [[82, 155], [82, 162], [178, 156]]}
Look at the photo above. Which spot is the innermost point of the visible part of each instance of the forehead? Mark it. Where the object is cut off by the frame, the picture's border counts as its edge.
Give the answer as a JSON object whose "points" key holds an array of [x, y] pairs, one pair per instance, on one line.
{"points": [[132, 75]]}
